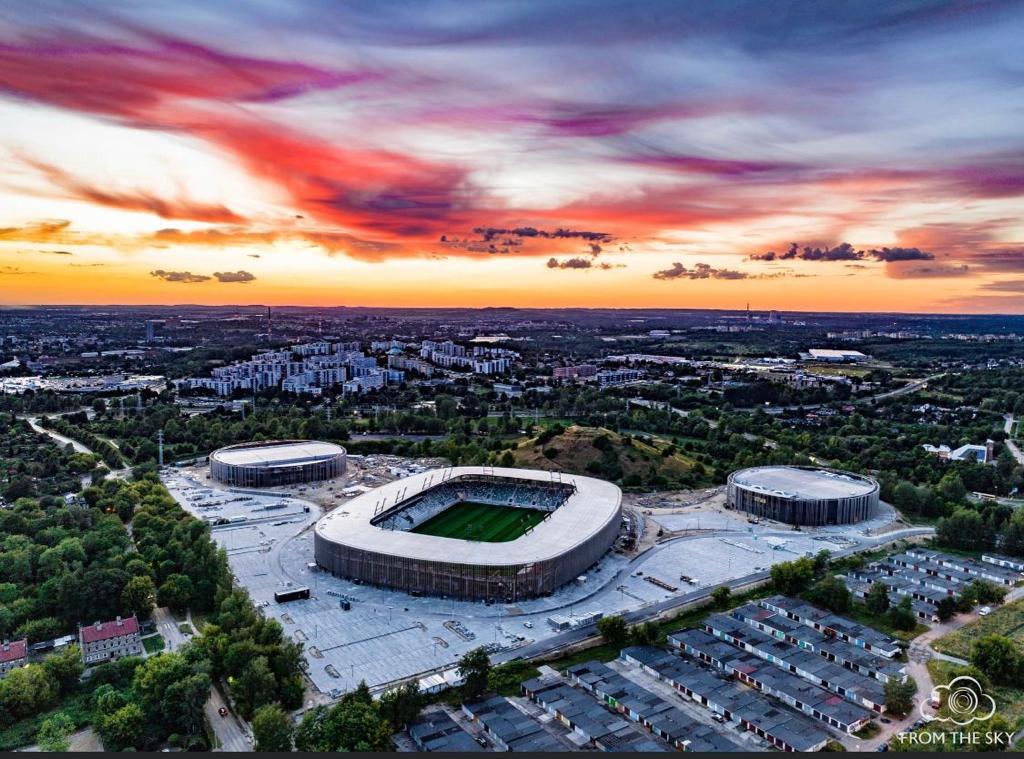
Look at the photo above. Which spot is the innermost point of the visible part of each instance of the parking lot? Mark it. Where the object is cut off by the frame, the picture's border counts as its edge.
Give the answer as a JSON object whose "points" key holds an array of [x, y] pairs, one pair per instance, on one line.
{"points": [[387, 636]]}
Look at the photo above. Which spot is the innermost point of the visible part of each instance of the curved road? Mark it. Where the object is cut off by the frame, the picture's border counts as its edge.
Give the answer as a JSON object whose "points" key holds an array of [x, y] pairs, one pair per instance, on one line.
{"points": [[581, 634]]}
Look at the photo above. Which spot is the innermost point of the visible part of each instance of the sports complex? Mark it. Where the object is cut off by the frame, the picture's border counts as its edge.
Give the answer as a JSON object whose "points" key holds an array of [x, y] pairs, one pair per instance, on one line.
{"points": [[277, 462], [803, 495], [472, 533]]}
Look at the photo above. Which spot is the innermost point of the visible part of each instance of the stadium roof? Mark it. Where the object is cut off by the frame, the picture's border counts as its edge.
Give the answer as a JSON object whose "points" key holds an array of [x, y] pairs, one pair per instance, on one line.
{"points": [[794, 482], [277, 453], [583, 515]]}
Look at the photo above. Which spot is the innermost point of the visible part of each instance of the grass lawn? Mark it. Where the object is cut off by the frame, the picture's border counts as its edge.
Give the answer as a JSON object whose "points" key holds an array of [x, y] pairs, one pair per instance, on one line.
{"points": [[1007, 620], [185, 628], [23, 732], [482, 522], [869, 730], [859, 613], [153, 643], [1009, 701]]}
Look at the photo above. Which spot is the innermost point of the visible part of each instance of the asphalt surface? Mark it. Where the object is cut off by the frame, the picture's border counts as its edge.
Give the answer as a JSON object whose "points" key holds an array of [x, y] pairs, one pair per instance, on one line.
{"points": [[230, 730], [572, 637]]}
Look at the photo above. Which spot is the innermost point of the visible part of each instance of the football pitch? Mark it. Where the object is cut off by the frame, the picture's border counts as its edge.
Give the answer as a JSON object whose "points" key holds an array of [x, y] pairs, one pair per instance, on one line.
{"points": [[482, 522]]}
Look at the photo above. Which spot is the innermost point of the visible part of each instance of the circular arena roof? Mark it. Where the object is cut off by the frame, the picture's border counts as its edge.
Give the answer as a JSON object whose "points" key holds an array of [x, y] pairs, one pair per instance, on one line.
{"points": [[276, 453], [583, 515], [805, 483]]}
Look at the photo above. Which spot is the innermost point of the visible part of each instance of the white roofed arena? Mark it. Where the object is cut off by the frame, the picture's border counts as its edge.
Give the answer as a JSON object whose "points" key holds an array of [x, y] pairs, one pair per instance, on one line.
{"points": [[803, 495], [277, 462], [373, 537]]}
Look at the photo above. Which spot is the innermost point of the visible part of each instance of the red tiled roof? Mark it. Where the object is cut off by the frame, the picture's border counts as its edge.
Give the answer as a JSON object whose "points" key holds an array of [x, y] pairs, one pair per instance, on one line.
{"points": [[111, 629], [16, 649]]}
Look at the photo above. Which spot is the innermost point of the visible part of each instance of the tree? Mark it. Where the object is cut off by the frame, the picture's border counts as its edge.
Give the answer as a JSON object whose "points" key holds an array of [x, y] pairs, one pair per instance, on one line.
{"points": [[272, 728], [254, 687], [946, 608], [821, 561], [474, 667], [400, 705], [351, 725], [64, 668], [614, 630], [899, 697], [644, 634], [139, 595], [997, 657], [792, 577], [877, 599], [951, 487], [964, 529], [123, 728], [27, 690], [173, 690], [720, 596], [54, 732], [901, 616], [831, 593], [176, 592], [985, 592], [1013, 534], [905, 498]]}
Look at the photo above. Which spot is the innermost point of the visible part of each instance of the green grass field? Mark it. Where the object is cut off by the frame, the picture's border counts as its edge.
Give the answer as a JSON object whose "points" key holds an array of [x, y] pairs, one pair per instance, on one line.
{"points": [[482, 522]]}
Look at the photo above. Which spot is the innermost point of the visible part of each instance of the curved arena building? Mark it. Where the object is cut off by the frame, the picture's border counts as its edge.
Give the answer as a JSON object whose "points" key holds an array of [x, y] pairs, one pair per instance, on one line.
{"points": [[478, 533], [803, 495], [277, 462]]}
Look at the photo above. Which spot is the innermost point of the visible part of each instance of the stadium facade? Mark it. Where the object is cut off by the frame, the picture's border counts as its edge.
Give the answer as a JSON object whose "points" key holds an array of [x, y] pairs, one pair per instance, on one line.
{"points": [[277, 462], [371, 538], [803, 495]]}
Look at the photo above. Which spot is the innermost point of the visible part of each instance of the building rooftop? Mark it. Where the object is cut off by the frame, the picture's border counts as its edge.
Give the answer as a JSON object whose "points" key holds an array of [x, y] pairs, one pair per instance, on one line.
{"points": [[277, 453], [112, 629], [436, 731], [794, 482], [13, 650], [584, 514]]}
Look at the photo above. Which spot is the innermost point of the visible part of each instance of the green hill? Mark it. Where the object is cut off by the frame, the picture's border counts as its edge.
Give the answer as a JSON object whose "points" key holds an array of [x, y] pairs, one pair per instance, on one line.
{"points": [[600, 452]]}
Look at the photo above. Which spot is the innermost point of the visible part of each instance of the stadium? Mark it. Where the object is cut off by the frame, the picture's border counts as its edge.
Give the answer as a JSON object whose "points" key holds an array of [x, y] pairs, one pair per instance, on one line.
{"points": [[472, 533], [277, 462], [803, 495]]}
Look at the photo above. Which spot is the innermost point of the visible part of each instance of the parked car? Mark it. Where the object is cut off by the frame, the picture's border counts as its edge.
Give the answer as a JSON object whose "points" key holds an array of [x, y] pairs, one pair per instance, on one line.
{"points": [[223, 711], [984, 611]]}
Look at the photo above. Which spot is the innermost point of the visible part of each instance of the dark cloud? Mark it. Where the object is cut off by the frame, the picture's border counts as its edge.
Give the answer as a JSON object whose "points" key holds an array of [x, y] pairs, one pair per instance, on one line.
{"points": [[569, 263], [60, 252], [699, 271], [179, 276], [900, 254], [844, 251], [489, 233], [234, 276]]}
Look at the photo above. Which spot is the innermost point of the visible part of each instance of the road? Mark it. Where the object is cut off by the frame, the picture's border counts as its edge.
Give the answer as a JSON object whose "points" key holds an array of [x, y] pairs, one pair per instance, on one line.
{"points": [[33, 422], [1009, 443], [230, 731], [910, 387], [579, 635]]}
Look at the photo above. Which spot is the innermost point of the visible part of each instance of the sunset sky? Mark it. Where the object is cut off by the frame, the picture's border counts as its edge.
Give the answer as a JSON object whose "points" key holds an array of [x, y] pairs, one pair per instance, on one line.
{"points": [[808, 156]]}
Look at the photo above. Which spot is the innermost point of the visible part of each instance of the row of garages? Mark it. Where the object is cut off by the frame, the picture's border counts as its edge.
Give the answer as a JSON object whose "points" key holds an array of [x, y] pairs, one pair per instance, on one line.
{"points": [[929, 577]]}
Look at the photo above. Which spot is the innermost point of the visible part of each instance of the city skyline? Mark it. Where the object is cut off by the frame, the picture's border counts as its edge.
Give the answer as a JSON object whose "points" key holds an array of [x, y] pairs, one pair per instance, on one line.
{"points": [[863, 157]]}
